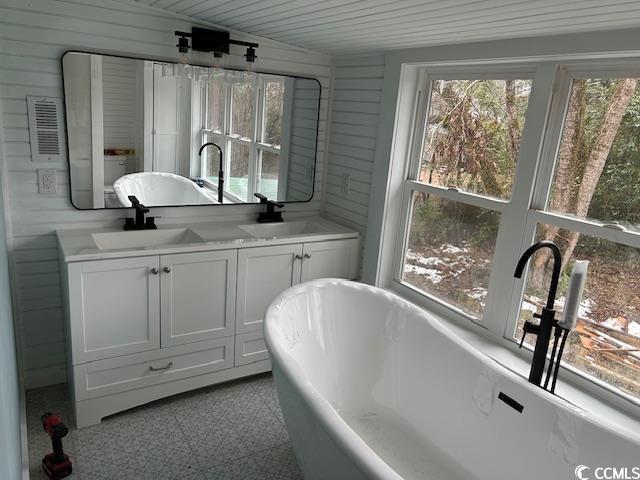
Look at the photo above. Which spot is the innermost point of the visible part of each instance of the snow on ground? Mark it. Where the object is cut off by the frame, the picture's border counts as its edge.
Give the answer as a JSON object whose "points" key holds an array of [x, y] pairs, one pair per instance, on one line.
{"points": [[448, 261], [634, 329], [436, 268], [477, 293], [613, 323], [448, 248], [434, 276], [585, 307], [430, 261]]}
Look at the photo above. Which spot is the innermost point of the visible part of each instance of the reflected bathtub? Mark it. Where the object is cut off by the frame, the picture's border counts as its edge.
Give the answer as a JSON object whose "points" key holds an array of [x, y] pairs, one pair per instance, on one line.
{"points": [[371, 387], [160, 188]]}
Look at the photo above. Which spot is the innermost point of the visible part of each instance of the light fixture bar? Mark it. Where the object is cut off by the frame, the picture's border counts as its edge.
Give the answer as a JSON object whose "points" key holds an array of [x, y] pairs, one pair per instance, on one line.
{"points": [[215, 41]]}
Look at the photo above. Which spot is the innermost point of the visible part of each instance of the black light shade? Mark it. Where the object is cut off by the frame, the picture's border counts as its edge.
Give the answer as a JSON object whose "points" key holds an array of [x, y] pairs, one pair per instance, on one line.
{"points": [[183, 45], [206, 40], [214, 41], [250, 55]]}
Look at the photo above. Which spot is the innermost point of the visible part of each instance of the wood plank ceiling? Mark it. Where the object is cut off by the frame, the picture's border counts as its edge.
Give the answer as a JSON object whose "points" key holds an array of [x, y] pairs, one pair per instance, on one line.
{"points": [[358, 26]]}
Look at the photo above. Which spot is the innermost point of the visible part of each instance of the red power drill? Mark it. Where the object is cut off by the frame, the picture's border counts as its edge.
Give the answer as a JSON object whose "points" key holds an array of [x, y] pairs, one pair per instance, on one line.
{"points": [[56, 465]]}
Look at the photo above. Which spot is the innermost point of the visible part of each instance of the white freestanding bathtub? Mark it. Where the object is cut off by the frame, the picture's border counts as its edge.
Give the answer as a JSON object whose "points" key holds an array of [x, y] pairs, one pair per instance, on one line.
{"points": [[371, 387], [159, 189]]}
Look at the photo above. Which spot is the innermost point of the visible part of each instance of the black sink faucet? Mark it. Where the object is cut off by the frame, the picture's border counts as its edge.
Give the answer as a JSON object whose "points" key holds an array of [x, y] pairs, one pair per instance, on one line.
{"points": [[270, 216], [140, 223], [547, 318], [220, 169]]}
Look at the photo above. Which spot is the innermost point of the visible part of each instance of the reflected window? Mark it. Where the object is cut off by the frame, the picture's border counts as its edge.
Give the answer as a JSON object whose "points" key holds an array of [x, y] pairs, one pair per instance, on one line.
{"points": [[215, 105], [273, 103], [242, 106], [243, 113]]}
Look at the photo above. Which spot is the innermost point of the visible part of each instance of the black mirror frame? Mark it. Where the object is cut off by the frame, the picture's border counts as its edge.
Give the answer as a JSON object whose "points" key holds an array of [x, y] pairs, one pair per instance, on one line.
{"points": [[64, 102]]}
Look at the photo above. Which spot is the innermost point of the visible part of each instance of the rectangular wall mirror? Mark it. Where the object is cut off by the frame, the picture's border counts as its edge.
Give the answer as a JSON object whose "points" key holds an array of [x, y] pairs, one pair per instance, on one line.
{"points": [[141, 127]]}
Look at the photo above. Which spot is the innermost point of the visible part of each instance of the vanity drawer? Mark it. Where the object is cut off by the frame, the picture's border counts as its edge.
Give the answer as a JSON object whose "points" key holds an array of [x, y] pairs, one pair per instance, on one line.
{"points": [[115, 375], [250, 347]]}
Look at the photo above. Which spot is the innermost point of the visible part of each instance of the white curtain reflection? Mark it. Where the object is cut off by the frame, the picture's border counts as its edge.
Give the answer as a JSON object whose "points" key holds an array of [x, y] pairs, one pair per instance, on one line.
{"points": [[199, 73]]}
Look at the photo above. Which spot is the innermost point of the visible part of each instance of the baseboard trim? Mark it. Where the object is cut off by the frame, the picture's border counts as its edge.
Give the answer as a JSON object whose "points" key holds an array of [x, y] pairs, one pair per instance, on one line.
{"points": [[44, 377], [91, 412]]}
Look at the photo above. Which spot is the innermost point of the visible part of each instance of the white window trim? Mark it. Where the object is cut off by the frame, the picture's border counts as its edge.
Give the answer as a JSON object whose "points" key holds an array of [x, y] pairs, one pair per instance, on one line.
{"points": [[532, 182]]}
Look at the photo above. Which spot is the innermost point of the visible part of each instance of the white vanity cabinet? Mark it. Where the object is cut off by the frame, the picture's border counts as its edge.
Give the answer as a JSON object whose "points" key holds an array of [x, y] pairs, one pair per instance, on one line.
{"points": [[265, 272], [124, 306], [335, 259], [141, 326], [114, 307], [197, 292], [145, 323]]}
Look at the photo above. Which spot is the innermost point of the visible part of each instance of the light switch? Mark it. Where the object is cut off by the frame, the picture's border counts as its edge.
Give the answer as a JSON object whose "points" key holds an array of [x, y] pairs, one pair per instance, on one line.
{"points": [[346, 183], [47, 181]]}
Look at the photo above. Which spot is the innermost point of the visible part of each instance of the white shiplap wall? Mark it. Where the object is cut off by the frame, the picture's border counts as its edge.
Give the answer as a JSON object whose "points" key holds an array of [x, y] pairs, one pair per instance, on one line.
{"points": [[355, 108], [302, 140], [33, 36]]}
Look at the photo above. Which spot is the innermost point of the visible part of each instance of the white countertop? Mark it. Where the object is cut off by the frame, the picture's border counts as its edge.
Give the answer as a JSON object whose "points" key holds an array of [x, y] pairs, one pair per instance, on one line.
{"points": [[78, 244]]}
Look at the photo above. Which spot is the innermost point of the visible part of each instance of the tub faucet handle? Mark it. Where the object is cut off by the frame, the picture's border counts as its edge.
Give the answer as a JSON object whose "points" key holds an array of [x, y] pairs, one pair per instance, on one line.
{"points": [[529, 327]]}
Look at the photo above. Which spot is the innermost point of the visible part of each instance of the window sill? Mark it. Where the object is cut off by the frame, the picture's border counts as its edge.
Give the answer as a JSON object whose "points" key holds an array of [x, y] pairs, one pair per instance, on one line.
{"points": [[621, 413]]}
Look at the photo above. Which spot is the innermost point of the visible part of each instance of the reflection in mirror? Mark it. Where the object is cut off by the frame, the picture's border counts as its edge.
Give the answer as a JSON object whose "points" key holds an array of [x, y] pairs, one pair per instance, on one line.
{"points": [[173, 134]]}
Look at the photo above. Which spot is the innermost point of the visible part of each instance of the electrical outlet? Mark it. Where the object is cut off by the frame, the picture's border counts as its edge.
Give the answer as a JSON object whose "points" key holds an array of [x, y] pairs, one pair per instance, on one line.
{"points": [[346, 183], [47, 181]]}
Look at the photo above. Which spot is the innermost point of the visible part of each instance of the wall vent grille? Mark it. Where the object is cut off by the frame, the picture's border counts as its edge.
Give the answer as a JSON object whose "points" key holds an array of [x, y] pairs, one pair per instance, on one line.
{"points": [[46, 129]]}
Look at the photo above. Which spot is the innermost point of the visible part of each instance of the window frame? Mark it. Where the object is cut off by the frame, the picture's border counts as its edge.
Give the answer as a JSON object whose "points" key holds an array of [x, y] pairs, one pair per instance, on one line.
{"points": [[535, 167], [537, 213], [410, 183]]}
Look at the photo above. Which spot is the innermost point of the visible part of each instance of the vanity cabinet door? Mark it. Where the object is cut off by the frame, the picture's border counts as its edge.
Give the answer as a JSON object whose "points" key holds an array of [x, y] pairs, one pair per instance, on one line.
{"points": [[336, 259], [264, 273], [114, 307], [198, 292]]}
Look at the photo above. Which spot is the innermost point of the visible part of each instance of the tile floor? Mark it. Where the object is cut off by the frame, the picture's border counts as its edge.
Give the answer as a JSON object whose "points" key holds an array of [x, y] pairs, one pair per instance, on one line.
{"points": [[229, 431]]}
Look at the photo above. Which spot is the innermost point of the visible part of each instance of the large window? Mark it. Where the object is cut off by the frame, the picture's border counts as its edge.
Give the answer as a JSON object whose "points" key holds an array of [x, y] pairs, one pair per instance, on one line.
{"points": [[463, 173], [480, 189], [244, 115]]}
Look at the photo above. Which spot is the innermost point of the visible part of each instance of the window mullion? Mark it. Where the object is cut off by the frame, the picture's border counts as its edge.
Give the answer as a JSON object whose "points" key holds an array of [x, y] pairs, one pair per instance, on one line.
{"points": [[513, 221], [553, 133], [254, 173], [607, 231], [460, 196], [419, 124], [402, 235]]}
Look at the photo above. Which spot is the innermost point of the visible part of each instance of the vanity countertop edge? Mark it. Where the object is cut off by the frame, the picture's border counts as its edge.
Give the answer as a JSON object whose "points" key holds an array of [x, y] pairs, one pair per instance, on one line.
{"points": [[77, 245]]}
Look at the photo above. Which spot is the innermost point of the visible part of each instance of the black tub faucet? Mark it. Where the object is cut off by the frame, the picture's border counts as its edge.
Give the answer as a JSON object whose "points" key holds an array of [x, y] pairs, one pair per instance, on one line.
{"points": [[220, 169], [544, 329], [139, 223]]}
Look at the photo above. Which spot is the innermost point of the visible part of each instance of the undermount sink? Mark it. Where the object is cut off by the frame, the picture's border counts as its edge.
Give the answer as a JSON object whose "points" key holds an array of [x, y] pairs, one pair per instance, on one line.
{"points": [[145, 238], [271, 230]]}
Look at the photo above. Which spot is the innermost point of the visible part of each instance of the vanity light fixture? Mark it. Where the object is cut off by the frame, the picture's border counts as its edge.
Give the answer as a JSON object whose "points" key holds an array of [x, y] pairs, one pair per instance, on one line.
{"points": [[183, 46], [214, 41]]}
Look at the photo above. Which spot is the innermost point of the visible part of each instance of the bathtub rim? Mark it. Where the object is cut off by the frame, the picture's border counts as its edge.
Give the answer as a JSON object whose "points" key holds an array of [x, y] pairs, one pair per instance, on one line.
{"points": [[337, 428], [118, 188]]}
